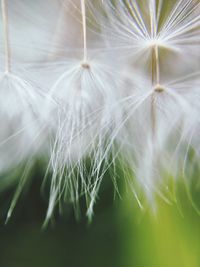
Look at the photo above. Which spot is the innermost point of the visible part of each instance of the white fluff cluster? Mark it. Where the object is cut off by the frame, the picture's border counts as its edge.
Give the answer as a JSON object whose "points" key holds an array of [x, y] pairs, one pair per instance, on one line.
{"points": [[91, 81]]}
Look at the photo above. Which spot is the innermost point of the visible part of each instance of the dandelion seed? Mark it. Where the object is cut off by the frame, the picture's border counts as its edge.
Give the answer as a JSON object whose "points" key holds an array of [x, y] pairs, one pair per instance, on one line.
{"points": [[131, 91], [134, 27], [156, 116], [20, 135], [19, 105], [85, 96]]}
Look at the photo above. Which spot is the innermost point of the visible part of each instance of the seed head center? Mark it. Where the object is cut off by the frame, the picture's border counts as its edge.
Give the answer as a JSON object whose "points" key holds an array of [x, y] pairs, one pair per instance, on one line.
{"points": [[159, 89], [85, 65]]}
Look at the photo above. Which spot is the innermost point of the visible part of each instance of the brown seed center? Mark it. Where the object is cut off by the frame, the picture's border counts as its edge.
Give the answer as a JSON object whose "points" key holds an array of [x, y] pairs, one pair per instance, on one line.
{"points": [[159, 89], [85, 65]]}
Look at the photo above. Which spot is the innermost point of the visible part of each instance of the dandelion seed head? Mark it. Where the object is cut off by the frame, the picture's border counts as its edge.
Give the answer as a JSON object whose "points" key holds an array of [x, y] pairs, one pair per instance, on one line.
{"points": [[118, 81]]}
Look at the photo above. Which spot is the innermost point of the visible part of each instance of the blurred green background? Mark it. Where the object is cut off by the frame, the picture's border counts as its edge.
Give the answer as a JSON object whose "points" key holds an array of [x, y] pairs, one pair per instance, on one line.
{"points": [[120, 235]]}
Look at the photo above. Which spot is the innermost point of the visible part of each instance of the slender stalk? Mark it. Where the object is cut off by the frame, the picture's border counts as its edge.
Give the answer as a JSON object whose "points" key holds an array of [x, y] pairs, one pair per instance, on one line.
{"points": [[4, 7], [155, 72], [155, 66], [83, 12]]}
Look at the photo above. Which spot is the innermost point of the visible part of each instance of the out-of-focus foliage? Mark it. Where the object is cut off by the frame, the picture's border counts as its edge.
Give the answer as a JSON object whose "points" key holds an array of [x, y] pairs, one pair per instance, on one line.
{"points": [[121, 234]]}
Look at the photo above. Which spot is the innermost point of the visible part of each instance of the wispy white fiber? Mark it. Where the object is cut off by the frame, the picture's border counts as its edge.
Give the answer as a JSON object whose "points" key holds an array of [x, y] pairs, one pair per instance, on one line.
{"points": [[93, 84]]}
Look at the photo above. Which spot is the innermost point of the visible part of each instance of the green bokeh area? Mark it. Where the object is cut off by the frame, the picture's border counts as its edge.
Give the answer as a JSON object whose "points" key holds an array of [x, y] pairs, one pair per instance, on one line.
{"points": [[120, 235]]}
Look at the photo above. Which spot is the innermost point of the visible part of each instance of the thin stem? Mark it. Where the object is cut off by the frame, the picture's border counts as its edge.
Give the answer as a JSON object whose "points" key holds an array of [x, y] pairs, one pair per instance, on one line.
{"points": [[4, 8], [155, 66], [83, 12], [155, 70], [153, 116]]}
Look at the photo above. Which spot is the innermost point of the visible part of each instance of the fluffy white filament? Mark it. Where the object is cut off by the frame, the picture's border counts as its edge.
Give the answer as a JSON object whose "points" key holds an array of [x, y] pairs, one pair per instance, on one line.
{"points": [[105, 80]]}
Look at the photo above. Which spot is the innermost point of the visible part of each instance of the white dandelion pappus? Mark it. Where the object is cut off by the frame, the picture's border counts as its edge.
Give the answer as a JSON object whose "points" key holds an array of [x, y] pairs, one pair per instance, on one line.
{"points": [[175, 131], [21, 135], [135, 94], [85, 93], [135, 26], [19, 109], [160, 120]]}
